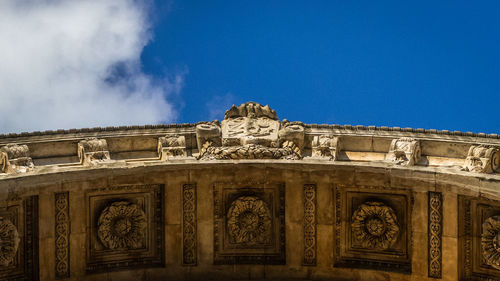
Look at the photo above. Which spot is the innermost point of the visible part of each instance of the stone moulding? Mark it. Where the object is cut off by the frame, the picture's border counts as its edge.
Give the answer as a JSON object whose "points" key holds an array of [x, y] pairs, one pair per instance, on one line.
{"points": [[92, 151], [483, 159], [189, 225], [15, 159], [435, 232], [309, 227], [62, 231]]}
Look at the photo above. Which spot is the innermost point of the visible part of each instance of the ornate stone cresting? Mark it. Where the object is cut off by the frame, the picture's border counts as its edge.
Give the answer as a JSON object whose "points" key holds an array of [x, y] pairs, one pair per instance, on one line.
{"points": [[9, 241], [326, 146], [250, 131], [249, 222], [122, 225], [490, 241], [375, 226], [92, 151], [172, 146], [483, 159], [15, 159], [404, 151]]}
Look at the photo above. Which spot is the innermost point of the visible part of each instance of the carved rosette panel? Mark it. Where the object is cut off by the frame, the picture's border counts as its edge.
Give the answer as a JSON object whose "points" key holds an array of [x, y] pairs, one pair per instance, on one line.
{"points": [[435, 231], [309, 225], [372, 229], [122, 225], [19, 239], [62, 231], [189, 227], [375, 226], [249, 226], [479, 234], [125, 227]]}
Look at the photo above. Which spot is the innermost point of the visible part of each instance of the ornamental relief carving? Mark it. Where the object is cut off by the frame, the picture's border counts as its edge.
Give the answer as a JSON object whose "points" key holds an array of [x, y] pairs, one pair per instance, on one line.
{"points": [[375, 226], [249, 221], [9, 241], [122, 225], [490, 241]]}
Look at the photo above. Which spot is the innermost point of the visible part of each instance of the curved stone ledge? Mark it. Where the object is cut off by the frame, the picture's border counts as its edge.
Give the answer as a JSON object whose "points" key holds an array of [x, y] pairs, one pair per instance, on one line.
{"points": [[160, 203]]}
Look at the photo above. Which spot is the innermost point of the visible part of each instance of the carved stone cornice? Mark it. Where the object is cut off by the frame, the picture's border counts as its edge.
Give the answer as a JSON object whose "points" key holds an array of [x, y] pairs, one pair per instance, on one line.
{"points": [[483, 159], [404, 151], [92, 151], [326, 146], [15, 159], [172, 146]]}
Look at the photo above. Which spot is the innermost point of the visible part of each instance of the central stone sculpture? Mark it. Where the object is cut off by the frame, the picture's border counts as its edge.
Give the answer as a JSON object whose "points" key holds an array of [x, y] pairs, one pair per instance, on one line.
{"points": [[250, 131]]}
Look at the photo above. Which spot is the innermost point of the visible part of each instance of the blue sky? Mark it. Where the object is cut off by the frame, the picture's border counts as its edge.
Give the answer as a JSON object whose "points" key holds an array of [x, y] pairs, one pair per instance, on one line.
{"points": [[421, 64]]}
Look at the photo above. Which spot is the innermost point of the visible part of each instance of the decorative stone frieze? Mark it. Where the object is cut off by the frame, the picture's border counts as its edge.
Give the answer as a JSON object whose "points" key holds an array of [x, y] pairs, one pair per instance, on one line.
{"points": [[62, 230], [404, 151], [326, 146], [483, 159], [310, 210], [372, 229], [15, 159], [189, 225], [9, 238], [92, 151], [125, 227], [435, 234], [490, 241], [249, 226], [172, 146]]}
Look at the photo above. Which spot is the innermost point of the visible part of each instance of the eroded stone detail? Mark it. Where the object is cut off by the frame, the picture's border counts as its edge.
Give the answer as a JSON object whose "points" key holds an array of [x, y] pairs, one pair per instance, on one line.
{"points": [[249, 221], [375, 226], [326, 146], [122, 225], [435, 230], [172, 146], [62, 234], [490, 241], [189, 228], [483, 159], [404, 151], [309, 224], [92, 151], [15, 159], [9, 241], [250, 131]]}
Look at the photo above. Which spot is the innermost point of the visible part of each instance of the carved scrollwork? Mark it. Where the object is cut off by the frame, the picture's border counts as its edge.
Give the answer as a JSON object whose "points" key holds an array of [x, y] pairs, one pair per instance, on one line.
{"points": [[9, 241], [92, 151], [490, 241], [249, 221], [15, 159], [404, 151], [251, 151], [326, 146], [483, 159], [122, 225], [171, 146], [375, 226]]}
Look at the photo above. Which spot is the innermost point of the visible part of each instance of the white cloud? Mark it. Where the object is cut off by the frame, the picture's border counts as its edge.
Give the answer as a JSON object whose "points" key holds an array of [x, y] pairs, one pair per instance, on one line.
{"points": [[76, 63]]}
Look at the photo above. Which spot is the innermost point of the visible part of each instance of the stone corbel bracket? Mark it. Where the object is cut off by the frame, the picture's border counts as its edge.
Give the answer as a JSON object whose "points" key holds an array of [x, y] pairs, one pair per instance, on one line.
{"points": [[92, 151], [326, 146], [208, 135], [483, 159], [291, 136], [15, 159], [404, 151], [172, 146]]}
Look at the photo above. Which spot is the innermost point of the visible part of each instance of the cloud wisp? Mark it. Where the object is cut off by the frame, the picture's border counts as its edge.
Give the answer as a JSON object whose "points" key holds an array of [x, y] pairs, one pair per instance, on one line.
{"points": [[71, 64]]}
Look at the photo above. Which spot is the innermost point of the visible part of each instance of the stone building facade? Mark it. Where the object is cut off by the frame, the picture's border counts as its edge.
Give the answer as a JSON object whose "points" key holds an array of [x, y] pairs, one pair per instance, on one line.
{"points": [[251, 197]]}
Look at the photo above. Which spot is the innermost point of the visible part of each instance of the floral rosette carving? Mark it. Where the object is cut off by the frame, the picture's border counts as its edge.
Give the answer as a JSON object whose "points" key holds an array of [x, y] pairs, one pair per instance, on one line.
{"points": [[122, 225], [375, 226], [9, 241], [490, 241], [249, 221]]}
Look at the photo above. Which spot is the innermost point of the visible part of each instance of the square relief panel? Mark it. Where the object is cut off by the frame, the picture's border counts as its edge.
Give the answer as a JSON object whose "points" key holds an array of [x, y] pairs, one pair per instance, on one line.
{"points": [[19, 239], [372, 228], [479, 238], [125, 227], [249, 223]]}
